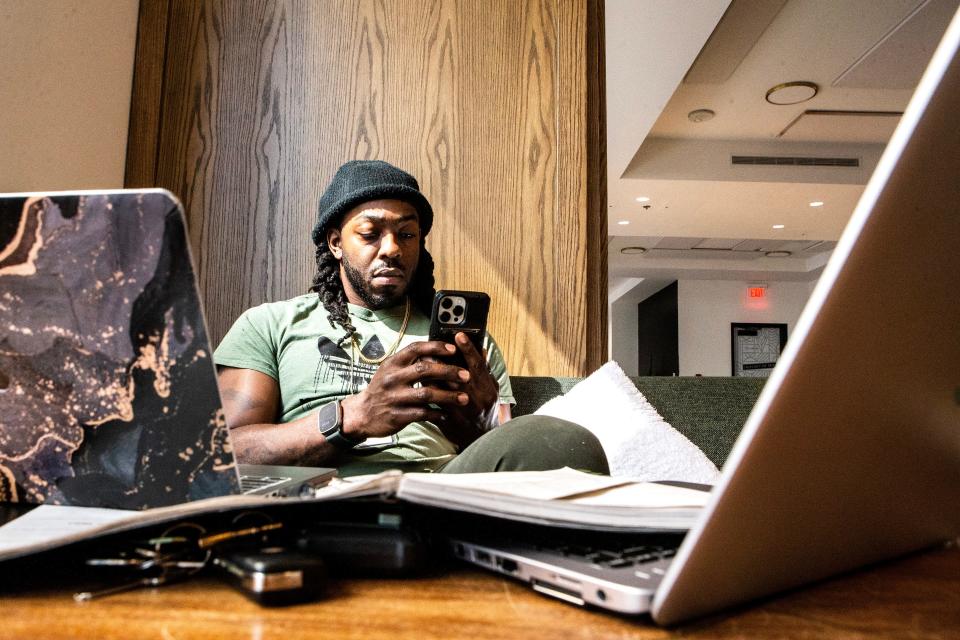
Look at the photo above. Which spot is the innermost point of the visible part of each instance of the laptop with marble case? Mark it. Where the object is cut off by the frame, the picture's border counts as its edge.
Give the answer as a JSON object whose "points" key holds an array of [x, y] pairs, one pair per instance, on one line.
{"points": [[108, 391]]}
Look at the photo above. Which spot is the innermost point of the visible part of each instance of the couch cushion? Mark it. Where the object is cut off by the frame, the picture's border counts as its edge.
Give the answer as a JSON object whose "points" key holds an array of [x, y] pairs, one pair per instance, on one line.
{"points": [[710, 411]]}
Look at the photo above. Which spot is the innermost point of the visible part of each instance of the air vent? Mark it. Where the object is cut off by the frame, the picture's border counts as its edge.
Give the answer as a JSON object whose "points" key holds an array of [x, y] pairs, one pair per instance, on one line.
{"points": [[794, 161]]}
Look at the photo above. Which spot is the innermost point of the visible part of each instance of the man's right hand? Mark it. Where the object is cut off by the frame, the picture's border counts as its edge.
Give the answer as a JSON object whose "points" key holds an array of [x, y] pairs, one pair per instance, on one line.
{"points": [[390, 402], [393, 399]]}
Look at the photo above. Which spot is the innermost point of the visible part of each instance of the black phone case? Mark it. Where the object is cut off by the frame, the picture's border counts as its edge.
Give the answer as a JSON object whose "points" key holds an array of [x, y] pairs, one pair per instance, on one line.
{"points": [[474, 323]]}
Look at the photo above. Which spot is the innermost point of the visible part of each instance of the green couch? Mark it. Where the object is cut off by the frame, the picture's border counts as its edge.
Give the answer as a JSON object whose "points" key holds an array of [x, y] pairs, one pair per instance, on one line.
{"points": [[709, 411]]}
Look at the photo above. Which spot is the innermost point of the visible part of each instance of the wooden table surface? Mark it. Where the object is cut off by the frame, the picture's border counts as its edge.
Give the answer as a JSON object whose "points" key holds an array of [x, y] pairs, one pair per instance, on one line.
{"points": [[914, 597]]}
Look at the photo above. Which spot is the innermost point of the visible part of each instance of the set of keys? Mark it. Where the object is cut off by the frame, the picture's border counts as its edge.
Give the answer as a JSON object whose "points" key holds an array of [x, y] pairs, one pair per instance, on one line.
{"points": [[178, 553]]}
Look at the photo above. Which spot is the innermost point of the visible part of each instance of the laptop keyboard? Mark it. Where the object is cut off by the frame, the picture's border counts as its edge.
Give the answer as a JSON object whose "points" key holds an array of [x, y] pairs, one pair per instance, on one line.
{"points": [[613, 558], [255, 483]]}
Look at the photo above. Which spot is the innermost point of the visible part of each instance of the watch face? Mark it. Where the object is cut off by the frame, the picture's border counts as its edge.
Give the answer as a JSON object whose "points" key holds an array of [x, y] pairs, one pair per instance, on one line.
{"points": [[330, 422], [328, 418]]}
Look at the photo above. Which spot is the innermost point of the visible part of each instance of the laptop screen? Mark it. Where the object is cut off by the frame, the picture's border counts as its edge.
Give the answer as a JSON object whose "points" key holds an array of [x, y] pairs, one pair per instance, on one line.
{"points": [[109, 393]]}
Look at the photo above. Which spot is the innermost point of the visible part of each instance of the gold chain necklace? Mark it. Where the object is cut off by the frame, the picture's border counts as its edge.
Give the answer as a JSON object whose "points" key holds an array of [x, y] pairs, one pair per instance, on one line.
{"points": [[389, 352]]}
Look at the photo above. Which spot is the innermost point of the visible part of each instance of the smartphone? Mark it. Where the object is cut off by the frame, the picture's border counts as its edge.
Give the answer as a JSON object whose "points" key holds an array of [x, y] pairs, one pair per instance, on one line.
{"points": [[456, 311]]}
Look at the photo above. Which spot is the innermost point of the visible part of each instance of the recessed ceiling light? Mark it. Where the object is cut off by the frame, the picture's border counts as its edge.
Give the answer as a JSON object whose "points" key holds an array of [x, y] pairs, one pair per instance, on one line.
{"points": [[701, 115], [778, 226], [816, 203], [778, 254], [624, 222], [643, 199], [791, 92], [633, 250]]}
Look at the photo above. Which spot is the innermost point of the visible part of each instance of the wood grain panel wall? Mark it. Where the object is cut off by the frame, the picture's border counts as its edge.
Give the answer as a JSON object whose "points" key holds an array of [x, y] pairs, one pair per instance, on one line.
{"points": [[495, 105]]}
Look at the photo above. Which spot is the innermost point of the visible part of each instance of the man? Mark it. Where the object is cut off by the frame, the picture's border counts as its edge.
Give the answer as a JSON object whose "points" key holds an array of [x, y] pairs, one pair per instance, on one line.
{"points": [[344, 376]]}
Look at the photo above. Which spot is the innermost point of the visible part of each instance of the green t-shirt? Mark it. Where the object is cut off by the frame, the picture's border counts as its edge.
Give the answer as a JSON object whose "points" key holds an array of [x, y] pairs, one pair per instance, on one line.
{"points": [[293, 342]]}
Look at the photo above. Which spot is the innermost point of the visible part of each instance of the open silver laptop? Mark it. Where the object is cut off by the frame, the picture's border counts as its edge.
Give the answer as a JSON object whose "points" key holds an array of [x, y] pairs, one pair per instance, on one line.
{"points": [[852, 452], [108, 393]]}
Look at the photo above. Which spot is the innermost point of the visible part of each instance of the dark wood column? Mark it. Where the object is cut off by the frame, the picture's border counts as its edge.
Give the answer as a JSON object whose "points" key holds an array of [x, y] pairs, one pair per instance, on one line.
{"points": [[245, 110]]}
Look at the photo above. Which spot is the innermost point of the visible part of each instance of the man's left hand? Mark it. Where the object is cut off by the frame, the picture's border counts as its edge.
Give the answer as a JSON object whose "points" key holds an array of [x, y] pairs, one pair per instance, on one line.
{"points": [[464, 424]]}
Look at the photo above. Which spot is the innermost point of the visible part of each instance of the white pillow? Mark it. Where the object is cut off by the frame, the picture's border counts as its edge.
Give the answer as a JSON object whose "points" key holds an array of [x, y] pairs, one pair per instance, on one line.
{"points": [[637, 441]]}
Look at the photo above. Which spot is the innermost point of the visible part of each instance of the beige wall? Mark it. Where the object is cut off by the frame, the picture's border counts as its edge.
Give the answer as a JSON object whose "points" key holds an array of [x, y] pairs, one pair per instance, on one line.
{"points": [[495, 105], [708, 307], [65, 77]]}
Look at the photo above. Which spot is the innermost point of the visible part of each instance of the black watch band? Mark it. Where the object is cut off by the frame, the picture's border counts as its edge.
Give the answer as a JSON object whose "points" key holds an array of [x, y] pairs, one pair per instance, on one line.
{"points": [[330, 423]]}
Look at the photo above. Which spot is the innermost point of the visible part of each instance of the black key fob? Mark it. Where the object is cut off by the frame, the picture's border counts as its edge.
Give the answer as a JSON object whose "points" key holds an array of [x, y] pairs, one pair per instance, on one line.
{"points": [[275, 575]]}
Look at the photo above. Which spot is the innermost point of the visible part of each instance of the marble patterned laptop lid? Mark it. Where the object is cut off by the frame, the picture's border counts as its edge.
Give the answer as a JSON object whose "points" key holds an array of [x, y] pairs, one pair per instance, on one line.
{"points": [[108, 391]]}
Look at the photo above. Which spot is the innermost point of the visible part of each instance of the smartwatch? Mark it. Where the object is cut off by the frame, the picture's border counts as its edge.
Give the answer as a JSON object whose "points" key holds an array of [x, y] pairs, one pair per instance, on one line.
{"points": [[330, 423]]}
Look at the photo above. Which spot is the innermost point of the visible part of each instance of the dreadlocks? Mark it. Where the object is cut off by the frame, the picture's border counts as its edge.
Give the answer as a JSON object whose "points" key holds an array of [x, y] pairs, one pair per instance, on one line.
{"points": [[327, 285]]}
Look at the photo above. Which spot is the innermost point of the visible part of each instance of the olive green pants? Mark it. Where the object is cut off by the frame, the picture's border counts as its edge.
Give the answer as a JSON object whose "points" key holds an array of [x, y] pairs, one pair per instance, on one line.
{"points": [[527, 443], [532, 443]]}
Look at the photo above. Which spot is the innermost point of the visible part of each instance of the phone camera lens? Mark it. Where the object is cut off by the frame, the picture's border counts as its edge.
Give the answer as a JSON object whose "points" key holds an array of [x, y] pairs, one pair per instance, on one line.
{"points": [[458, 310], [445, 316], [446, 303]]}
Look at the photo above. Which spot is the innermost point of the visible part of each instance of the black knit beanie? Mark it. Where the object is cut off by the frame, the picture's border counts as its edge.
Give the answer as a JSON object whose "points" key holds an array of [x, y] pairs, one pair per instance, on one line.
{"points": [[360, 181]]}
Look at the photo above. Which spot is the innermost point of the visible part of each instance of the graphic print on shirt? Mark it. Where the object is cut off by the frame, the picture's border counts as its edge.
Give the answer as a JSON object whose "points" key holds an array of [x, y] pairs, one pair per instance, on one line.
{"points": [[336, 364]]}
